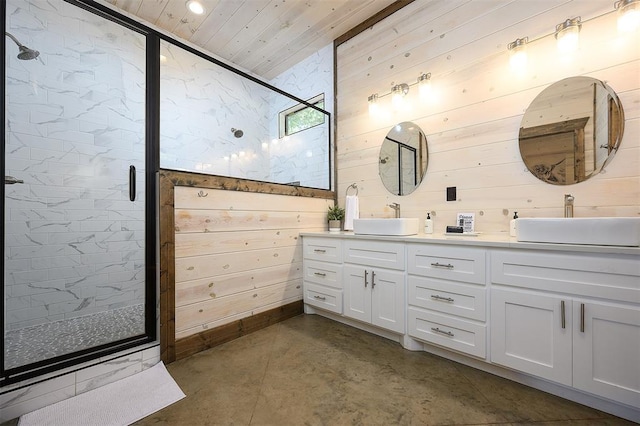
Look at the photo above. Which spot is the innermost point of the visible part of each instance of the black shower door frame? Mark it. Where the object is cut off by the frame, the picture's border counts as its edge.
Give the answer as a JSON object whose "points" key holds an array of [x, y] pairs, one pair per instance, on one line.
{"points": [[152, 114]]}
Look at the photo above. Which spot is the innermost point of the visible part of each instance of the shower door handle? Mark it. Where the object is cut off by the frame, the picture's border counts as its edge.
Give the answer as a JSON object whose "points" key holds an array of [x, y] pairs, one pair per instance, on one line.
{"points": [[132, 183], [10, 180]]}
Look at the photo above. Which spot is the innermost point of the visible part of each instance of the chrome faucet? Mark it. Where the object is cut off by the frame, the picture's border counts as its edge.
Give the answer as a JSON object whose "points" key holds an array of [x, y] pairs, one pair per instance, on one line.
{"points": [[568, 205], [396, 207]]}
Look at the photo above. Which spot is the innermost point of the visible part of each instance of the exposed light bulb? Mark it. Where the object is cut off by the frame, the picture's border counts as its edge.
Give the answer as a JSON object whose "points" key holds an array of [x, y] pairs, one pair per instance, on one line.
{"points": [[398, 93], [374, 107], [424, 86], [518, 57], [568, 35], [628, 15]]}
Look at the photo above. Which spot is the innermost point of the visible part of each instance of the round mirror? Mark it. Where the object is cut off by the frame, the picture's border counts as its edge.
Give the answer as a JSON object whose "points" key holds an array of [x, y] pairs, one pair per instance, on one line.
{"points": [[571, 130], [403, 158]]}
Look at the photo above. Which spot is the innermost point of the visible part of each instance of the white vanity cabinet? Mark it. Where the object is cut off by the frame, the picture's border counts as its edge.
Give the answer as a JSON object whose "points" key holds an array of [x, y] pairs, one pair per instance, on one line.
{"points": [[322, 273], [446, 297], [561, 318], [568, 317], [373, 283]]}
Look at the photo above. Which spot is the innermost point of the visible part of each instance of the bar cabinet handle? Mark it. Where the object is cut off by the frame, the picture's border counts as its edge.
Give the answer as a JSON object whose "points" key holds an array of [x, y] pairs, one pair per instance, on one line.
{"points": [[442, 265], [132, 183]]}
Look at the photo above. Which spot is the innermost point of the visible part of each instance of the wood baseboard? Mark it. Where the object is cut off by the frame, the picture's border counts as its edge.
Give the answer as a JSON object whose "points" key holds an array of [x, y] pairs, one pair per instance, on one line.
{"points": [[219, 335]]}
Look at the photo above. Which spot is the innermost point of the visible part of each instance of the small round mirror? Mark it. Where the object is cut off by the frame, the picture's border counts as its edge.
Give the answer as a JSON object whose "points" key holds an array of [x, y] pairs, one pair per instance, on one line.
{"points": [[403, 158], [571, 130]]}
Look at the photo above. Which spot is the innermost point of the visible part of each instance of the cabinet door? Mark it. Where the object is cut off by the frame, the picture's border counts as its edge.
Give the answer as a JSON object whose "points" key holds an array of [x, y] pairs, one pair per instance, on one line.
{"points": [[356, 293], [606, 357], [528, 333], [387, 299]]}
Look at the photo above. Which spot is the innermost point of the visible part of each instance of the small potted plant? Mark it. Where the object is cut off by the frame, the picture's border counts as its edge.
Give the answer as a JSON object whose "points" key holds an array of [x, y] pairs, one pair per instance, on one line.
{"points": [[335, 215]]}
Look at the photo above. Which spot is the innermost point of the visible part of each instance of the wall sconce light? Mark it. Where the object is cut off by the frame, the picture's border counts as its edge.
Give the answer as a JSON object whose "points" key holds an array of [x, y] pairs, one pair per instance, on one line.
{"points": [[568, 35], [373, 104], [518, 53], [628, 15], [424, 86], [398, 92]]}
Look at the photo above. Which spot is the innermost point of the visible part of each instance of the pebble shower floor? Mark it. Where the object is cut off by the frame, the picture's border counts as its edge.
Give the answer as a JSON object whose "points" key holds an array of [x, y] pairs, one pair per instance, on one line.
{"points": [[44, 341]]}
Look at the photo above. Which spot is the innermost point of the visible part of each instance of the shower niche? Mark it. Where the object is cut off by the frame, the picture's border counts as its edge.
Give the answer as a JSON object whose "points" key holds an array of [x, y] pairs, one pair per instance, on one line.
{"points": [[79, 237]]}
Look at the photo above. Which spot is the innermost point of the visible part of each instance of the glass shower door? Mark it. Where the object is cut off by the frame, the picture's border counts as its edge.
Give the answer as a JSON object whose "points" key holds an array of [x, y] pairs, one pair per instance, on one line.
{"points": [[74, 192]]}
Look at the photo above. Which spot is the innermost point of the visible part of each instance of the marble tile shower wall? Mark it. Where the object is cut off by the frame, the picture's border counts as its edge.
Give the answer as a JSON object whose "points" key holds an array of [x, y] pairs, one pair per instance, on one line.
{"points": [[308, 151], [201, 102], [74, 242]]}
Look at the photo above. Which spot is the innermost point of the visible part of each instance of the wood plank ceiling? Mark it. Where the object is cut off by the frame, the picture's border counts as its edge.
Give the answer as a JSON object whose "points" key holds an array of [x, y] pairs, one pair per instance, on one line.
{"points": [[266, 37]]}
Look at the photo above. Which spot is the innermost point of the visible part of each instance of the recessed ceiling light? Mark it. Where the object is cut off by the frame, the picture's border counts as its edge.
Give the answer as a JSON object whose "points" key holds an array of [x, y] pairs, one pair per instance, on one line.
{"points": [[195, 7]]}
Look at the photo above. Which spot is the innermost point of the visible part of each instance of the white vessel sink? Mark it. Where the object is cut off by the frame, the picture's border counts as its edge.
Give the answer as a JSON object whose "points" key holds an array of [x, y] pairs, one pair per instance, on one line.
{"points": [[606, 231], [386, 226]]}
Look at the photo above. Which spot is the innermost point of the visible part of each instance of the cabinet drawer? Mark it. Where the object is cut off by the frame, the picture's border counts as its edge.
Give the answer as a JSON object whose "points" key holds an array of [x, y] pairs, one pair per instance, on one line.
{"points": [[453, 333], [469, 301], [329, 274], [375, 253], [323, 249], [614, 277], [323, 297], [451, 263]]}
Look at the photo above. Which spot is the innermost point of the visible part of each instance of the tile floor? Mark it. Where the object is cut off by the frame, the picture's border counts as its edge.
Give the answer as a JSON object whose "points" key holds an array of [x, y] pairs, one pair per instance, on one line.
{"points": [[48, 340], [309, 370]]}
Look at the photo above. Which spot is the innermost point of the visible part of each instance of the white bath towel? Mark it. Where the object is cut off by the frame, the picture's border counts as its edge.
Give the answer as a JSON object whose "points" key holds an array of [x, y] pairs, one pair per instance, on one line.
{"points": [[351, 211]]}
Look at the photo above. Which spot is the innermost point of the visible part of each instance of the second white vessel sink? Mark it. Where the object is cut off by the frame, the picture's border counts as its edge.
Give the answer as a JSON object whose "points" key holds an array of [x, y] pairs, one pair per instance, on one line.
{"points": [[386, 226], [606, 231]]}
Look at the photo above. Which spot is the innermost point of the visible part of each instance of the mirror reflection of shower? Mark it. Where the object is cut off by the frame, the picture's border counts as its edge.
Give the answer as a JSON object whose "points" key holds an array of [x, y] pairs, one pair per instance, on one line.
{"points": [[25, 53]]}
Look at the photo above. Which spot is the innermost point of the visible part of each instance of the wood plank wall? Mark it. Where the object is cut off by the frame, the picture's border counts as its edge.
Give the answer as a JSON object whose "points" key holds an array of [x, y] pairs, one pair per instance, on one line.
{"points": [[237, 255], [473, 120]]}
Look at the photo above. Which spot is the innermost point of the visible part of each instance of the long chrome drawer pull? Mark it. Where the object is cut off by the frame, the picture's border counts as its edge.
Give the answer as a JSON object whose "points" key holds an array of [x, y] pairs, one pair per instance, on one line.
{"points": [[562, 313], [320, 297], [319, 250], [437, 330], [373, 279], [440, 298], [582, 317], [442, 265], [320, 274], [365, 278]]}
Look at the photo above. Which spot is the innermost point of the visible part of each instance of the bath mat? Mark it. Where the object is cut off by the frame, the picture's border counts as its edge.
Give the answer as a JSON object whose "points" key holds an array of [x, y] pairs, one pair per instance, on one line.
{"points": [[116, 404]]}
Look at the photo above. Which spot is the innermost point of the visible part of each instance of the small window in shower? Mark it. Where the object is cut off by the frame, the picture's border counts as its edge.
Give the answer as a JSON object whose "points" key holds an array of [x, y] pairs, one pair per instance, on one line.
{"points": [[302, 117]]}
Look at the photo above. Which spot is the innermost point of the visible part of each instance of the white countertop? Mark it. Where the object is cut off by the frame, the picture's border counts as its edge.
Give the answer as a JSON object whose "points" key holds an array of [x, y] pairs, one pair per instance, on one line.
{"points": [[495, 240]]}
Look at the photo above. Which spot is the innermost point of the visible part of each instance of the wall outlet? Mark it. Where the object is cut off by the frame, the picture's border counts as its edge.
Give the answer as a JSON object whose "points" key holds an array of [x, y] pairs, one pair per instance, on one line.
{"points": [[451, 193]]}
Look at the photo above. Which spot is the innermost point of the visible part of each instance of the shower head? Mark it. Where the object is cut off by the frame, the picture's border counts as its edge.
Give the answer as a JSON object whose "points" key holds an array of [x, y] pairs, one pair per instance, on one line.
{"points": [[25, 52], [237, 132]]}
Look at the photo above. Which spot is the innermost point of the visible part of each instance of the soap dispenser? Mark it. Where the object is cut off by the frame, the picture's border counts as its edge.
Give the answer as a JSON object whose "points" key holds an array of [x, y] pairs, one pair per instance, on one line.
{"points": [[512, 225], [428, 224]]}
